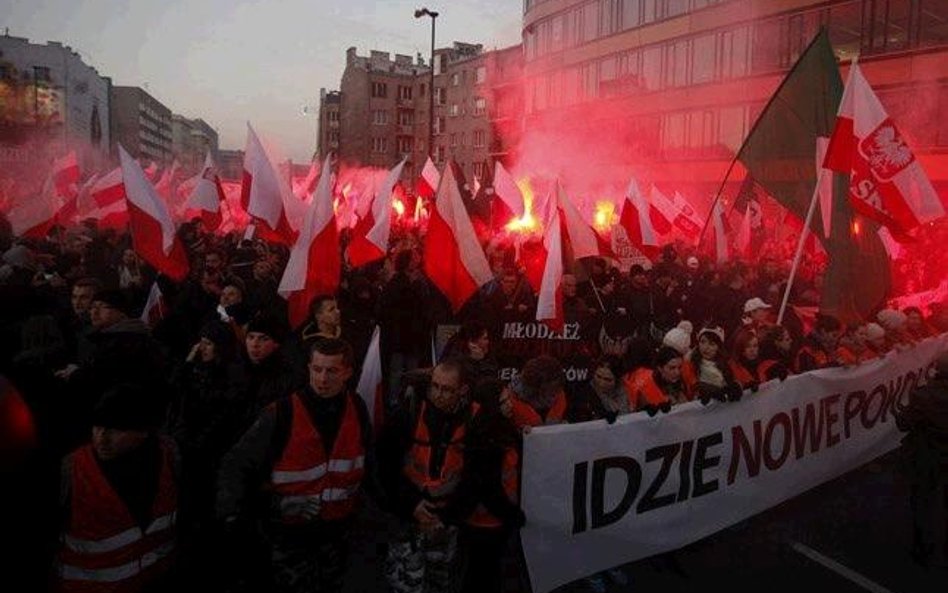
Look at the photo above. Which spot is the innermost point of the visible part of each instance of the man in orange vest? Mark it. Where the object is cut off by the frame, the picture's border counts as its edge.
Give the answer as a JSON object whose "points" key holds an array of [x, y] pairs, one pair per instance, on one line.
{"points": [[819, 349], [428, 447], [119, 499], [315, 449]]}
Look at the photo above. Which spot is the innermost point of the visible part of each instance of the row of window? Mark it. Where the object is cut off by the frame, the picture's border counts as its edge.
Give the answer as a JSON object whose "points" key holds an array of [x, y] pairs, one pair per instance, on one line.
{"points": [[478, 137], [403, 144], [725, 54], [599, 18], [480, 76], [867, 26]]}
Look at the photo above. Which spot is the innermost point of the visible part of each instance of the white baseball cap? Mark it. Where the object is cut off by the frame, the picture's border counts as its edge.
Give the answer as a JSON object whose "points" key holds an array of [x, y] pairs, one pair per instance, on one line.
{"points": [[754, 304]]}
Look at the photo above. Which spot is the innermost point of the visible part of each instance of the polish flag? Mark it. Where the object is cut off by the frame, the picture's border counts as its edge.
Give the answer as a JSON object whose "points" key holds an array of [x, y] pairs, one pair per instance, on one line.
{"points": [[315, 262], [66, 174], [155, 307], [306, 187], [583, 239], [266, 196], [106, 201], [373, 245], [370, 383], [550, 295], [688, 221], [510, 204], [746, 230], [531, 249], [825, 179], [454, 260], [33, 215], [208, 195], [639, 221], [887, 183], [153, 232], [163, 186], [429, 180], [722, 253]]}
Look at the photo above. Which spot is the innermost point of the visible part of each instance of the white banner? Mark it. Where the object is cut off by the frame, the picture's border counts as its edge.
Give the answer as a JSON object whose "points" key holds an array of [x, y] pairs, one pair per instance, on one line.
{"points": [[599, 495]]}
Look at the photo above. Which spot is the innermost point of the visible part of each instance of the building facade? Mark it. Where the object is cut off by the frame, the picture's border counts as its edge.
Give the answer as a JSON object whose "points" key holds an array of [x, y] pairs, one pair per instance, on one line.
{"points": [[191, 140], [141, 124], [680, 82], [382, 110], [328, 132], [380, 114], [51, 101], [231, 164]]}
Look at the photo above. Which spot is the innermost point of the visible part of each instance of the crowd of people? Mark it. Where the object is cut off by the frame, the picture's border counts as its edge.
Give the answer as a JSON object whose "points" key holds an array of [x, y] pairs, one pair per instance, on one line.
{"points": [[204, 442]]}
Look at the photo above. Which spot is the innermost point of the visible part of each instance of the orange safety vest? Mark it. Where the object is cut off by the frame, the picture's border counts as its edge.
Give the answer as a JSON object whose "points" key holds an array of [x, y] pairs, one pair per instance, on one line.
{"points": [[418, 460], [305, 472], [481, 517], [646, 392], [821, 358], [689, 375], [102, 548], [763, 369], [741, 374]]}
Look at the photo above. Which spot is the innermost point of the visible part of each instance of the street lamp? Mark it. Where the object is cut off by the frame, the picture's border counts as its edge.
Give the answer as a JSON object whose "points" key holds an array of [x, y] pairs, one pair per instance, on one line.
{"points": [[419, 13]]}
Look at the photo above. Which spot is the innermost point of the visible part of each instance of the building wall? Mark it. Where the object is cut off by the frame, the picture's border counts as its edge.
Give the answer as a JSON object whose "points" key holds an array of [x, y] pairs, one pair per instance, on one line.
{"points": [[71, 110], [679, 83], [231, 164], [328, 132], [142, 124], [191, 141]]}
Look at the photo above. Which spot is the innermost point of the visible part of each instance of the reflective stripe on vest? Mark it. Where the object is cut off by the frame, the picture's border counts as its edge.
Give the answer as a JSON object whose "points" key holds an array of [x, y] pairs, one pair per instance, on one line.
{"points": [[304, 473], [102, 543], [110, 544], [117, 573]]}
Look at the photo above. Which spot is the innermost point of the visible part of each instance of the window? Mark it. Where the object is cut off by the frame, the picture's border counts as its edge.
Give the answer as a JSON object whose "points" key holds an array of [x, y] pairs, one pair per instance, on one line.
{"points": [[439, 125], [454, 111], [590, 81], [675, 7], [480, 75], [610, 17], [479, 169], [441, 95], [479, 138], [440, 154], [703, 59], [454, 140], [423, 90], [558, 32], [404, 93], [379, 117], [334, 136], [652, 68], [406, 118], [404, 144], [766, 49], [731, 127], [676, 64], [333, 116], [734, 53], [673, 132], [575, 36], [590, 21], [480, 105], [379, 90], [379, 145], [455, 79], [463, 139], [631, 13]]}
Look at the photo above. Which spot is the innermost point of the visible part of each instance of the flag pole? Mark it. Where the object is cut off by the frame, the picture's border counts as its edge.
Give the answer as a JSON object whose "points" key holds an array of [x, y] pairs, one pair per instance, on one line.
{"points": [[803, 237]]}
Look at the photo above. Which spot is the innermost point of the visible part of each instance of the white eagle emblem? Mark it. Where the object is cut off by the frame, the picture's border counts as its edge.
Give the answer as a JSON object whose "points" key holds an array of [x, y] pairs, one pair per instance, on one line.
{"points": [[886, 151]]}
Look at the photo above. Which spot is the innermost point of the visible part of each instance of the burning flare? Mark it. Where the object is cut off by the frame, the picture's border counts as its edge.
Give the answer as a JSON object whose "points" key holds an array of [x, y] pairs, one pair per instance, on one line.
{"points": [[527, 223], [604, 216]]}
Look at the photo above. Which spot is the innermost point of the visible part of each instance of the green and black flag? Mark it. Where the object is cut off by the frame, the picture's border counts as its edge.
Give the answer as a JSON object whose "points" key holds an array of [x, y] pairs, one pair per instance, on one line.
{"points": [[779, 154]]}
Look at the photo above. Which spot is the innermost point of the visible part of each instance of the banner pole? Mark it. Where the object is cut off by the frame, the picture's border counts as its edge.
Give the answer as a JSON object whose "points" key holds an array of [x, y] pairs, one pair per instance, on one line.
{"points": [[803, 237]]}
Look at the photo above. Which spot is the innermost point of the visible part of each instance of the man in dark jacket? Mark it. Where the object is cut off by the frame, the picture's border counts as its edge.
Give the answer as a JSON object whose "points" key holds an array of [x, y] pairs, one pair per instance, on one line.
{"points": [[405, 334], [270, 371], [307, 457]]}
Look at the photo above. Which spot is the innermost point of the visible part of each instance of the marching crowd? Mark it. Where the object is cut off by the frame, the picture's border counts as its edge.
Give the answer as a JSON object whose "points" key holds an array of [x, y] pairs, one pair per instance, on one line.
{"points": [[206, 443]]}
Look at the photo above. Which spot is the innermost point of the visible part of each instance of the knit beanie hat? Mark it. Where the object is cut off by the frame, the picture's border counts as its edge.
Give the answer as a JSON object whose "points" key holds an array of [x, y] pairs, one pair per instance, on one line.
{"points": [[678, 339], [127, 407], [717, 332], [874, 331], [269, 324], [116, 299]]}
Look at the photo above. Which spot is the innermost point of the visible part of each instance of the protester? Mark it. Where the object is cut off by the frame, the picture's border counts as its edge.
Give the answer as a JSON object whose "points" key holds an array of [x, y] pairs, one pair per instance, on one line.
{"points": [[819, 348], [603, 396], [312, 451], [659, 387], [706, 371], [745, 358], [776, 354]]}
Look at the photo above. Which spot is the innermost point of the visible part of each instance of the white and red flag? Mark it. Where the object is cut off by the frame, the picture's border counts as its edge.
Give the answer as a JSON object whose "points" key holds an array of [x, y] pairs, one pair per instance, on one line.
{"points": [[642, 222], [370, 383], [304, 189], [315, 262], [429, 180], [887, 183], [207, 195], [150, 223], [266, 196], [510, 202], [721, 251], [156, 308], [105, 201], [34, 214], [550, 295], [583, 239], [66, 175], [454, 260], [374, 244]]}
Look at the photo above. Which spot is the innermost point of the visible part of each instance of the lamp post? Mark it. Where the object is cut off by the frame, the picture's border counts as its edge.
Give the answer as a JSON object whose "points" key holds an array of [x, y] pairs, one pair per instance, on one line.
{"points": [[419, 13]]}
